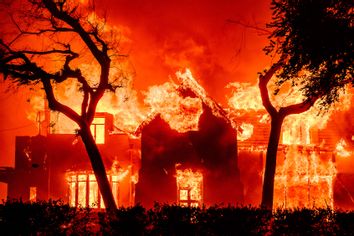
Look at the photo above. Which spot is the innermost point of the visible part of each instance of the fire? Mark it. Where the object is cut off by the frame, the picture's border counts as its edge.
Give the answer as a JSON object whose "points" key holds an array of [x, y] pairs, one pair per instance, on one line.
{"points": [[245, 97], [84, 192], [182, 114], [341, 149], [246, 132], [189, 187], [180, 111], [304, 179], [304, 174]]}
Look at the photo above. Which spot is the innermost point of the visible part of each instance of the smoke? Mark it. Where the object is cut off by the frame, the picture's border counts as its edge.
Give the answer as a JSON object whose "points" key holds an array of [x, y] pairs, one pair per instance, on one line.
{"points": [[171, 35]]}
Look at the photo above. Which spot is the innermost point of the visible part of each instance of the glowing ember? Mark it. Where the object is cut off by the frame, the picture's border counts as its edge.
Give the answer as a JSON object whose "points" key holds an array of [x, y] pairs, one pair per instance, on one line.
{"points": [[341, 149], [189, 187]]}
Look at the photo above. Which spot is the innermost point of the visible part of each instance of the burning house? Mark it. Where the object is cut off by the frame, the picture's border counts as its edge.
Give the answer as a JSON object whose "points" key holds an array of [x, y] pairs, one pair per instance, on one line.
{"points": [[56, 166], [208, 155], [188, 150], [310, 168], [199, 144], [187, 155]]}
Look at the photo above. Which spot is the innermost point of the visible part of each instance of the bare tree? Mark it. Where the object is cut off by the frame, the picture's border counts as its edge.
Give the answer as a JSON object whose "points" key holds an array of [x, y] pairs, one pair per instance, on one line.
{"points": [[67, 33]]}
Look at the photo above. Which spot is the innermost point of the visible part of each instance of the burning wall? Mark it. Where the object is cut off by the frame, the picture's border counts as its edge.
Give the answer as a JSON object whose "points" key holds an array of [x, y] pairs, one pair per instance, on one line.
{"points": [[57, 167], [306, 159]]}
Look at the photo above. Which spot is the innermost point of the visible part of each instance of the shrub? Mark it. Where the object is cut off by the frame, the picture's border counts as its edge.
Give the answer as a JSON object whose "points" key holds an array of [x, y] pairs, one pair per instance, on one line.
{"points": [[57, 218]]}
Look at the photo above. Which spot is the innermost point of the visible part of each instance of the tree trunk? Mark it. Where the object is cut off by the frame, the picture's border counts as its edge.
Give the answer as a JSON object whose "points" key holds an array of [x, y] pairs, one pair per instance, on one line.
{"points": [[98, 168], [271, 159]]}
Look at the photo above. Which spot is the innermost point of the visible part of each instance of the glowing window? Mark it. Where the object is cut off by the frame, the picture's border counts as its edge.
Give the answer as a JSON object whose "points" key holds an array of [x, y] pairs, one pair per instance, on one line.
{"points": [[98, 129], [72, 180], [33, 194], [93, 191], [189, 187], [183, 194], [83, 188]]}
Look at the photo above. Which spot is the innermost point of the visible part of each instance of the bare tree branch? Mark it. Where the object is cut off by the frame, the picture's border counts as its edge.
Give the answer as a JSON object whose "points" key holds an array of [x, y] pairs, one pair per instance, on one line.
{"points": [[77, 27], [53, 51], [250, 26], [262, 84], [57, 106], [297, 108]]}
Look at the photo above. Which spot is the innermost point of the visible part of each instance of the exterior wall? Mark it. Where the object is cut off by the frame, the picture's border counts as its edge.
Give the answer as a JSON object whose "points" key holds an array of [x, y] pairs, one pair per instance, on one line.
{"points": [[212, 149], [252, 152], [30, 168], [43, 162]]}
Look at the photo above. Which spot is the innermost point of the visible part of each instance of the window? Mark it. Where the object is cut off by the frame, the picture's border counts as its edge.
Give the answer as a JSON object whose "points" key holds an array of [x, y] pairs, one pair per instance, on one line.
{"points": [[189, 188], [33, 194], [98, 129], [84, 192]]}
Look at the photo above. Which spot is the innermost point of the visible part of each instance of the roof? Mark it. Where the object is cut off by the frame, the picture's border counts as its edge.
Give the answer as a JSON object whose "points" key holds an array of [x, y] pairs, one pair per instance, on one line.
{"points": [[190, 86]]}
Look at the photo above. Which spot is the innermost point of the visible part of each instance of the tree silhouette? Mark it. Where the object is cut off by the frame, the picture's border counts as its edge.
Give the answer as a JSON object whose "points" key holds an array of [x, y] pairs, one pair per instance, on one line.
{"points": [[313, 41], [50, 39]]}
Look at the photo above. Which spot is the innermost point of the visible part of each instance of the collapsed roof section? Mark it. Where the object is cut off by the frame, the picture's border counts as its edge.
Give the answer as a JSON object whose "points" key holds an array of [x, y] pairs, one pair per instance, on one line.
{"points": [[188, 87]]}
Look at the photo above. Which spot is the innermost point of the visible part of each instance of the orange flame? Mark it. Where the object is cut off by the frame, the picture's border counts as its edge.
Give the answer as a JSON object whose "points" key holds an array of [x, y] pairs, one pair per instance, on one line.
{"points": [[304, 179], [341, 149], [246, 132], [189, 187], [182, 114], [82, 182]]}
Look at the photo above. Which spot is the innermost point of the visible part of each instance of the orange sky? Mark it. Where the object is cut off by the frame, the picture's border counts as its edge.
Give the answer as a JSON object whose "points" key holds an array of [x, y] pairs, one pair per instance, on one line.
{"points": [[169, 35], [166, 36]]}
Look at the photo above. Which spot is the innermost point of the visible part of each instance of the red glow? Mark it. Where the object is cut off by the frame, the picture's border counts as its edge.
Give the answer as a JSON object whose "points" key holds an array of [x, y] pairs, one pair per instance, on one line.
{"points": [[184, 55]]}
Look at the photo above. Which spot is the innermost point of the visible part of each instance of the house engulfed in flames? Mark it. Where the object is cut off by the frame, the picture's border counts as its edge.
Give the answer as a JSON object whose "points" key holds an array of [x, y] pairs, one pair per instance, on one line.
{"points": [[56, 166], [192, 152], [191, 161], [313, 157]]}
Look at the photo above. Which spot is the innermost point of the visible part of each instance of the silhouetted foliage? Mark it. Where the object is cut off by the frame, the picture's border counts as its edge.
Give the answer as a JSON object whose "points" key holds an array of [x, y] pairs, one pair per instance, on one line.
{"points": [[315, 36], [304, 222], [126, 221], [57, 218], [312, 43]]}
